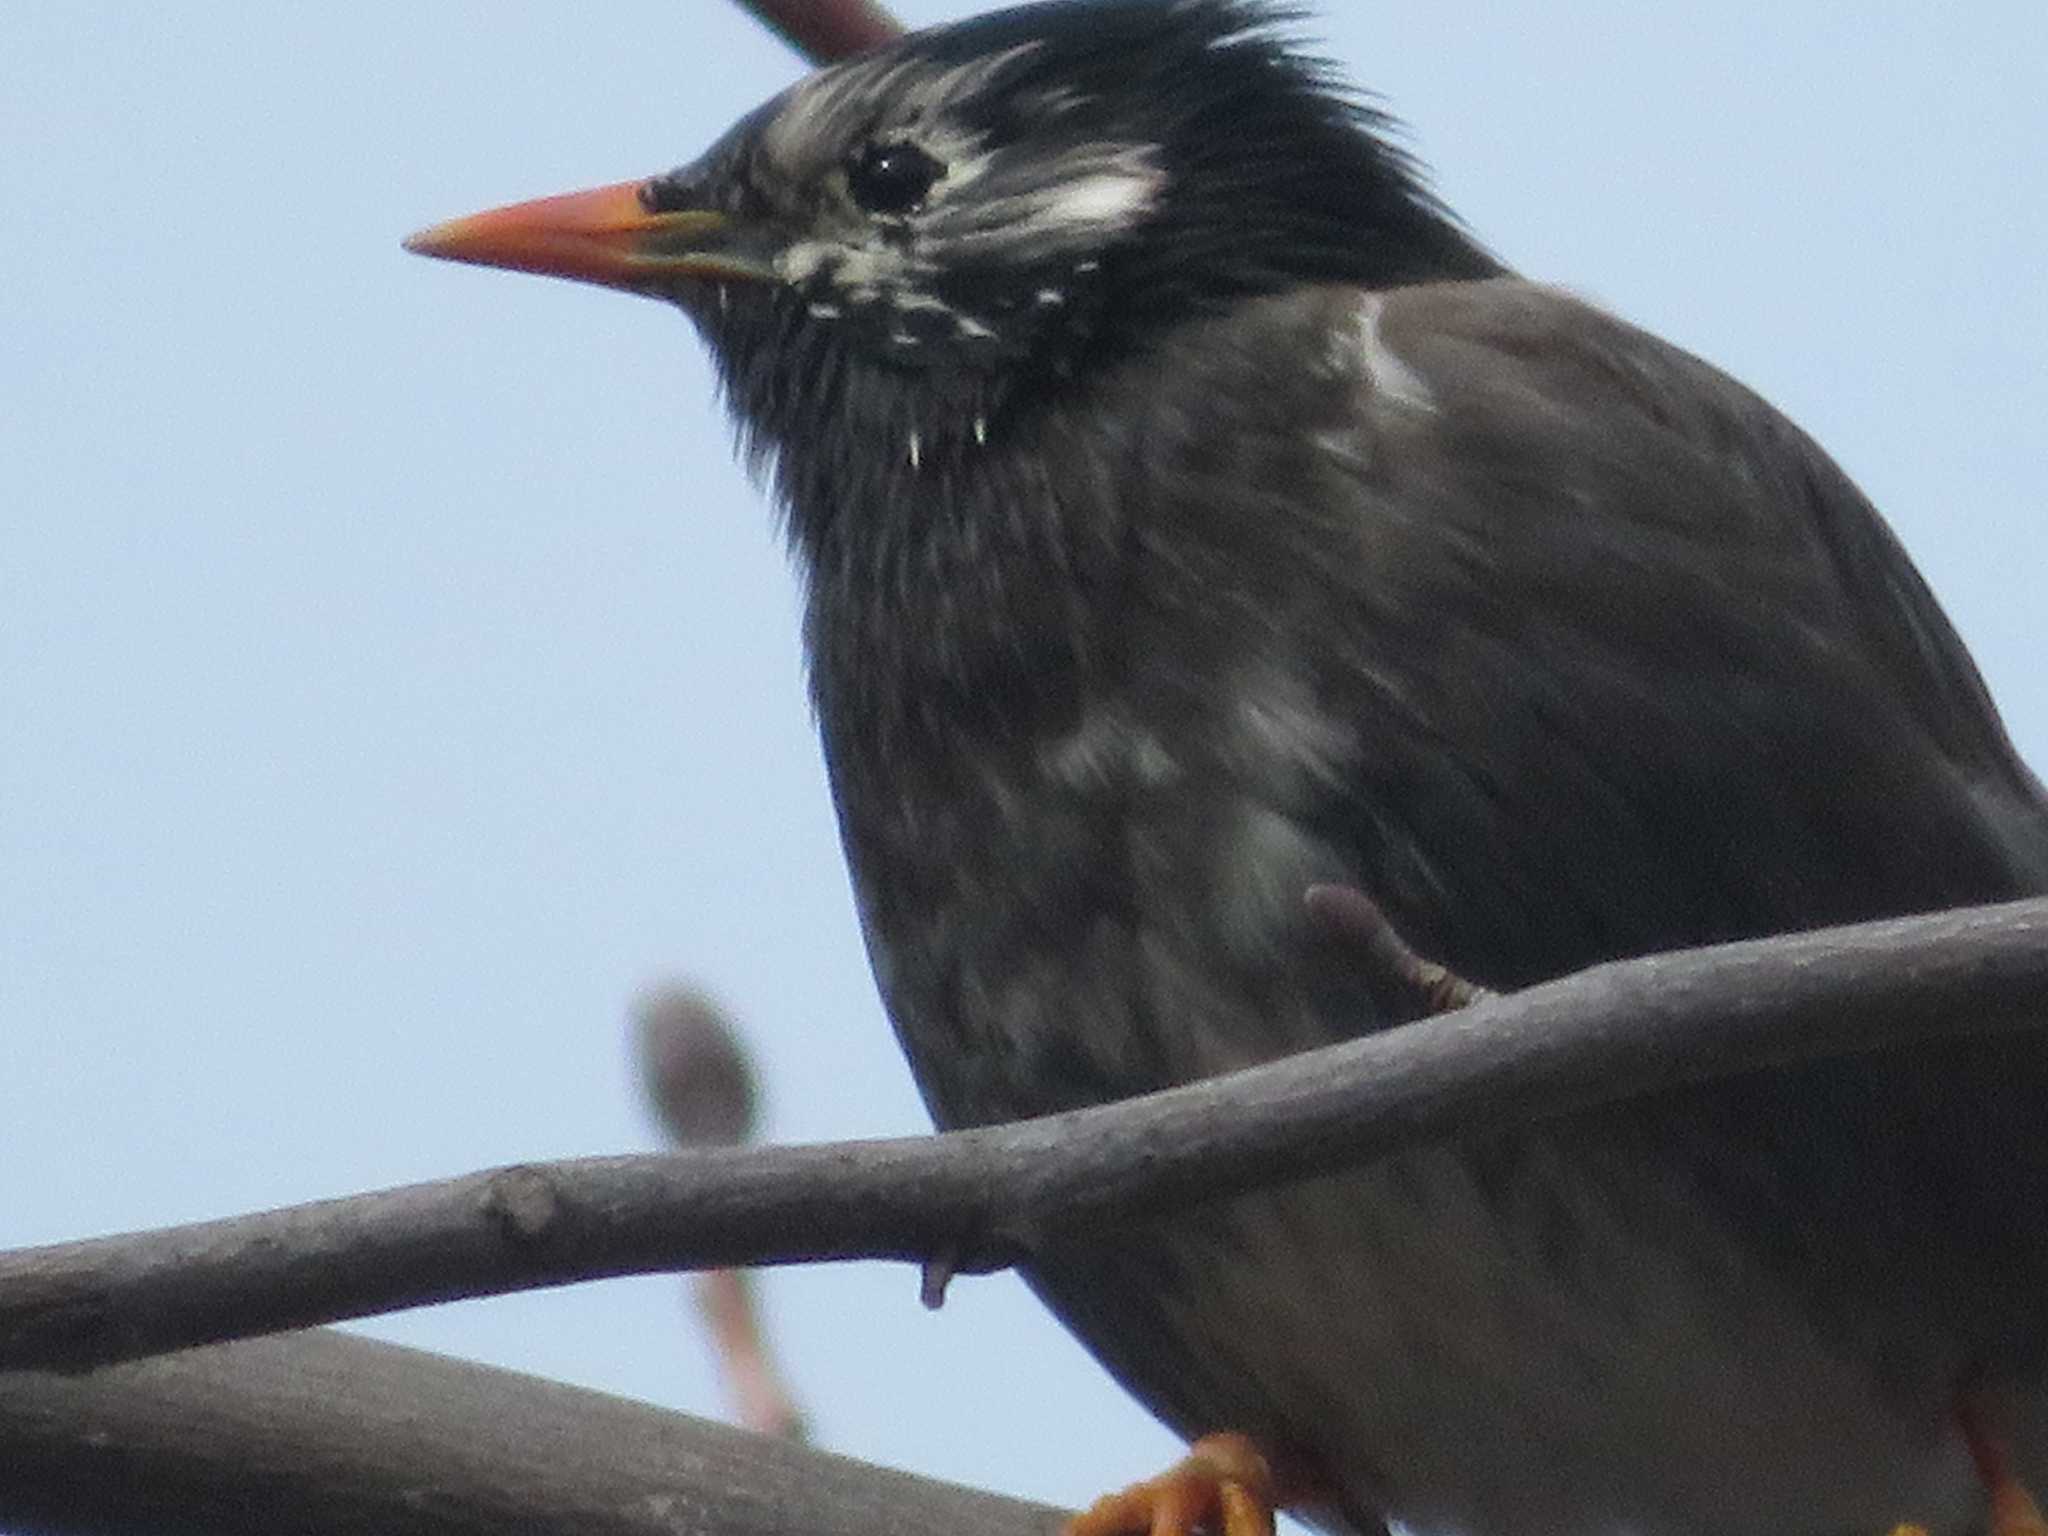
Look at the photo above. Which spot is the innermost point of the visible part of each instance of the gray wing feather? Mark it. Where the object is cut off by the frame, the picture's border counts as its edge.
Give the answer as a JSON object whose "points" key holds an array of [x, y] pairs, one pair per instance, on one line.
{"points": [[1733, 708], [1599, 562]]}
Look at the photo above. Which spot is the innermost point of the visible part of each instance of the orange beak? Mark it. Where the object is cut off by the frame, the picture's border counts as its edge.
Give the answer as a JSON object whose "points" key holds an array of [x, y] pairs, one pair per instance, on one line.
{"points": [[607, 235]]}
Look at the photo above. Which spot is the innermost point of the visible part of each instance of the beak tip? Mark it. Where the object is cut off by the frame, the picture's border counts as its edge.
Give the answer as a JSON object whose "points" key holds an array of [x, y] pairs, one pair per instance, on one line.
{"points": [[431, 241], [607, 235]]}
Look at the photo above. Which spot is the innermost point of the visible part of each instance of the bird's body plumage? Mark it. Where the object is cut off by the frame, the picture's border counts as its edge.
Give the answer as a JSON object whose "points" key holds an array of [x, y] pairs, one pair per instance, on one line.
{"points": [[1516, 682], [1191, 513]]}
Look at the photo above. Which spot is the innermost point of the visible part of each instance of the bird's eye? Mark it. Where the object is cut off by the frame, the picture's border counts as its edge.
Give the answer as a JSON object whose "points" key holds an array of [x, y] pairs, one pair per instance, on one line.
{"points": [[892, 178]]}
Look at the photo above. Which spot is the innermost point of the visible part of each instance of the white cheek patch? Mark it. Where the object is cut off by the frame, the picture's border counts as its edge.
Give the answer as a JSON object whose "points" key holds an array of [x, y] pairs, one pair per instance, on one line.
{"points": [[1082, 201], [1019, 207], [1107, 200], [962, 156], [1075, 205], [856, 269]]}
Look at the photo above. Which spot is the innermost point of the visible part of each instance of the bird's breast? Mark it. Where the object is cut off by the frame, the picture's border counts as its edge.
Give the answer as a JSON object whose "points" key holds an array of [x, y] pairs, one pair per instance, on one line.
{"points": [[1109, 903]]}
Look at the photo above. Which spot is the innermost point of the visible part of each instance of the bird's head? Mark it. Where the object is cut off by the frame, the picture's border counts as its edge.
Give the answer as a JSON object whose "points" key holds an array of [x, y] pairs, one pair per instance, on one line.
{"points": [[948, 228]]}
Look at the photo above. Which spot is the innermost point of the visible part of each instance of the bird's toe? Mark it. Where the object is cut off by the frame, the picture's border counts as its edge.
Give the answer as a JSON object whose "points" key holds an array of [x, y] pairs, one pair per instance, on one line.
{"points": [[1225, 1483]]}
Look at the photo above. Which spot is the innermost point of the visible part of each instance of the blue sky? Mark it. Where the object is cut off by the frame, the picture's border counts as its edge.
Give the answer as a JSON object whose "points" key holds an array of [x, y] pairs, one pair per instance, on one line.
{"points": [[396, 675]]}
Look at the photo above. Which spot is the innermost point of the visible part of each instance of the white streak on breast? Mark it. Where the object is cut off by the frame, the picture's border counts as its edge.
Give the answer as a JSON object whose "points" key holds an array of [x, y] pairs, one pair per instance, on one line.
{"points": [[1284, 740], [1267, 861], [1104, 749], [1390, 376], [1286, 753]]}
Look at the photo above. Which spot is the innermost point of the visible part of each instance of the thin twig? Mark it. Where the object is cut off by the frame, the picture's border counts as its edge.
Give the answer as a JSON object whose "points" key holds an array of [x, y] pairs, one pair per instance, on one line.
{"points": [[935, 1277], [827, 30], [1606, 1034], [699, 1079]]}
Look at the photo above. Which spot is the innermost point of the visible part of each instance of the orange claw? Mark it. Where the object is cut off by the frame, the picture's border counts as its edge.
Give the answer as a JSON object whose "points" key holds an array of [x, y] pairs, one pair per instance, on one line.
{"points": [[2013, 1510], [1224, 1483]]}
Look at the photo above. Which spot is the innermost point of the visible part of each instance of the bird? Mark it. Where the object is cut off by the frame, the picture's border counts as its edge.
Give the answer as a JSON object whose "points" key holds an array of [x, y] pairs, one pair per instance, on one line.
{"points": [[1191, 511]]}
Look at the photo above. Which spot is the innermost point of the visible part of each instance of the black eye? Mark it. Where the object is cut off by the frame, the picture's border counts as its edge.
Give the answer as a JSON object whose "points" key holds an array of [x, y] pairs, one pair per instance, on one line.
{"points": [[892, 178]]}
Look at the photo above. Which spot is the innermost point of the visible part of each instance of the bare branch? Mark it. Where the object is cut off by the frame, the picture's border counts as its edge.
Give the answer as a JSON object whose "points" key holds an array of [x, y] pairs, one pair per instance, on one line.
{"points": [[825, 30], [983, 1198], [321, 1434]]}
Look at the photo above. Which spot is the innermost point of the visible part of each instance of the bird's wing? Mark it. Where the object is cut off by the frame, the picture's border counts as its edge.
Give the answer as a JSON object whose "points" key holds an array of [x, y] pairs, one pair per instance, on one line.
{"points": [[1637, 666]]}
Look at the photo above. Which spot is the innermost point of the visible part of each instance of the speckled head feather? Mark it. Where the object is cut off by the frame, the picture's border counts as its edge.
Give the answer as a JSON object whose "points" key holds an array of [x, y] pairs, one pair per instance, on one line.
{"points": [[971, 217]]}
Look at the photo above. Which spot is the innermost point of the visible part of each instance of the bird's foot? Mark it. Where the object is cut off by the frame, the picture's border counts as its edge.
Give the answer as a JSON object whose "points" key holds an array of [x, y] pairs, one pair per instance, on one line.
{"points": [[2013, 1511], [1225, 1483]]}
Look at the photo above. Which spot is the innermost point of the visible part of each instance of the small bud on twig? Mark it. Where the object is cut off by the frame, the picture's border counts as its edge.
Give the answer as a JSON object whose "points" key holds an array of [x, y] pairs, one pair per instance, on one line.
{"points": [[701, 1086], [826, 30]]}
